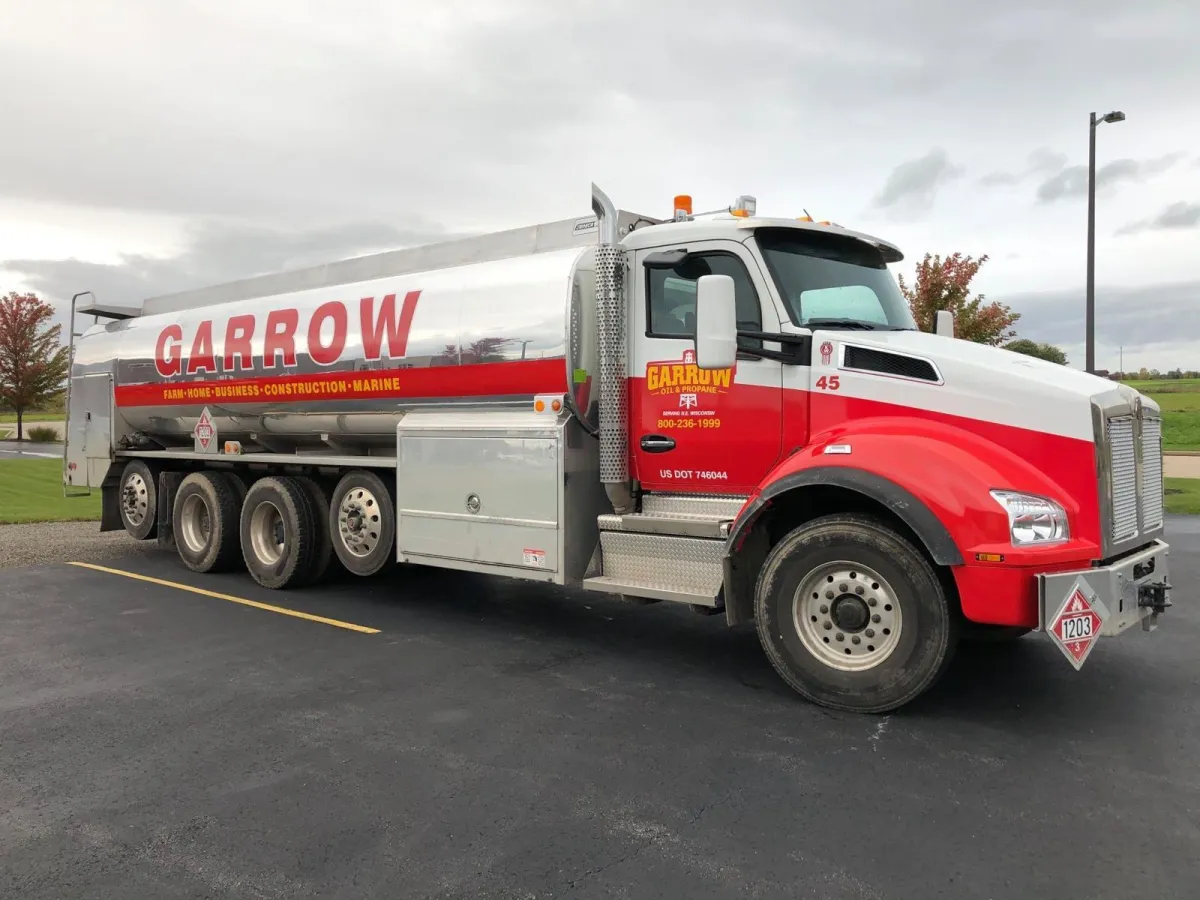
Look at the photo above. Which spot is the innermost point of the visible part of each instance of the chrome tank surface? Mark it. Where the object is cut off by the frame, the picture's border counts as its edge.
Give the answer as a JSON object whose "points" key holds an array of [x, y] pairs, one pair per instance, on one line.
{"points": [[348, 359]]}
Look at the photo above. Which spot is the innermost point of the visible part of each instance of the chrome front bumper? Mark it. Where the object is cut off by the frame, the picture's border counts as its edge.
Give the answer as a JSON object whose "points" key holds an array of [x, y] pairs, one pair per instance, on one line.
{"points": [[1077, 608]]}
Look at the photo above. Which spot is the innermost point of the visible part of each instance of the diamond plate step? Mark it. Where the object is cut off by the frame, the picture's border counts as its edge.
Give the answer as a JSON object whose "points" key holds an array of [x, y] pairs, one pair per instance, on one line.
{"points": [[640, 523], [692, 506], [652, 565]]}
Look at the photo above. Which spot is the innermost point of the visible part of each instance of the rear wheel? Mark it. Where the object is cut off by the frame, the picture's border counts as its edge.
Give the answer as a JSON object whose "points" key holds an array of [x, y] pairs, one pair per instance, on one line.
{"points": [[205, 522], [852, 616], [278, 535], [362, 523], [322, 559], [139, 500]]}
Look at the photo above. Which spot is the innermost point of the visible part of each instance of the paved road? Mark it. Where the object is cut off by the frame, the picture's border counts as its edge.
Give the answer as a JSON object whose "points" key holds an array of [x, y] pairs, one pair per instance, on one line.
{"points": [[506, 741], [22, 449]]}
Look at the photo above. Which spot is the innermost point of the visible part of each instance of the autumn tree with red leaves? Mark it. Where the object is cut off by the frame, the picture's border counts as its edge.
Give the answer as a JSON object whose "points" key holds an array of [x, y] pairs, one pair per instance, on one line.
{"points": [[33, 361], [946, 284]]}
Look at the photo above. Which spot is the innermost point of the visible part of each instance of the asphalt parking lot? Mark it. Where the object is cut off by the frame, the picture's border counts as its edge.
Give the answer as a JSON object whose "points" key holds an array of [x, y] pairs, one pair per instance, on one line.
{"points": [[475, 738]]}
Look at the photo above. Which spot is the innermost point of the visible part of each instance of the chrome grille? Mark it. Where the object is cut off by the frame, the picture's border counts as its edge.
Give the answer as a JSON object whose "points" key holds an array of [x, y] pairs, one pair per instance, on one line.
{"points": [[1123, 485], [1152, 474]]}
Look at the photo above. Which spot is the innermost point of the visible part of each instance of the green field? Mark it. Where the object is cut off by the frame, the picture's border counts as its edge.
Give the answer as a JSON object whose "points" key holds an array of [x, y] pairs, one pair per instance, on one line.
{"points": [[31, 491], [1180, 402], [1183, 496], [31, 418]]}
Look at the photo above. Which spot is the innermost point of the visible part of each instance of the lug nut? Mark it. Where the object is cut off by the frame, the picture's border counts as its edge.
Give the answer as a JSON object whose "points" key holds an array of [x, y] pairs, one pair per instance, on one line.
{"points": [[875, 619], [824, 609], [870, 632], [840, 636]]}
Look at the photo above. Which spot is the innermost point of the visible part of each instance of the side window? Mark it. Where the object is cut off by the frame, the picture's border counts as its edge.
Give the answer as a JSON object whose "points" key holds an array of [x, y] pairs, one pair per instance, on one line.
{"points": [[672, 294]]}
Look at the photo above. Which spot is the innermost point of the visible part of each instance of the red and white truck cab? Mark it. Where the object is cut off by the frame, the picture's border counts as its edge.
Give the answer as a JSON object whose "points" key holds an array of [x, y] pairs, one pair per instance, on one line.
{"points": [[728, 411]]}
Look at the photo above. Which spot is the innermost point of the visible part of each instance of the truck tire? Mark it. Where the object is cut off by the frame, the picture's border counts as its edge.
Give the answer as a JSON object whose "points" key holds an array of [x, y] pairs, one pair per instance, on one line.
{"points": [[362, 521], [852, 615], [323, 558], [139, 500], [278, 534], [205, 522]]}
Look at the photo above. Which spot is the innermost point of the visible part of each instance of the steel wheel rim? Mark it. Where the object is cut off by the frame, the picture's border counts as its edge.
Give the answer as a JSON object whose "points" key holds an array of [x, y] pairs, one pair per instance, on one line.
{"points": [[195, 523], [359, 521], [847, 616], [135, 499], [268, 537]]}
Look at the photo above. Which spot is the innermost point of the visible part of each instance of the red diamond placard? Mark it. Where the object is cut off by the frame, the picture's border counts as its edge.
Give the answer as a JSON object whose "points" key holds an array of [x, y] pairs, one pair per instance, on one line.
{"points": [[1076, 627], [204, 431]]}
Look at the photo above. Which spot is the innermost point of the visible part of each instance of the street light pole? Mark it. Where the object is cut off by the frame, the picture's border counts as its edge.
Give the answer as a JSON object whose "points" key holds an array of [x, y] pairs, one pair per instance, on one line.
{"points": [[1090, 318]]}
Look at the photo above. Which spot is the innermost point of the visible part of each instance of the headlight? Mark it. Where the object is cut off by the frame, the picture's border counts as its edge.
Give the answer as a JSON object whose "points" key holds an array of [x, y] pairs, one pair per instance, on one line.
{"points": [[1033, 519]]}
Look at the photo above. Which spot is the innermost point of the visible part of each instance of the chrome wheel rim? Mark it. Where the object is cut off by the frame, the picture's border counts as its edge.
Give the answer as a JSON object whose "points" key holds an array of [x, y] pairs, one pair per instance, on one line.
{"points": [[135, 499], [195, 523], [268, 537], [359, 521], [847, 616]]}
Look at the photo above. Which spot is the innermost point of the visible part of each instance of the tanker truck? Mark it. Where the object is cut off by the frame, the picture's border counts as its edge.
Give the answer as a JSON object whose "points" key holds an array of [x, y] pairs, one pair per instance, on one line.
{"points": [[724, 410]]}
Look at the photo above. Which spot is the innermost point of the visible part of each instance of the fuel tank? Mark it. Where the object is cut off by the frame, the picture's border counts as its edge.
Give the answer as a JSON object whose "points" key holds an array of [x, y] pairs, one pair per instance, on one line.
{"points": [[315, 358]]}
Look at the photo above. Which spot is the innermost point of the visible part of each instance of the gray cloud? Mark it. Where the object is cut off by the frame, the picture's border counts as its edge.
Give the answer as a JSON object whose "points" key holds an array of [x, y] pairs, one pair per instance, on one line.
{"points": [[1180, 215], [1125, 315], [1042, 161], [1072, 181], [216, 253], [479, 106], [914, 184]]}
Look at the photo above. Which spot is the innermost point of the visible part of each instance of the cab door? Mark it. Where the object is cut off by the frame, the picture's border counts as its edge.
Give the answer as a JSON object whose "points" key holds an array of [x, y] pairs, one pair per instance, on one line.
{"points": [[692, 430]]}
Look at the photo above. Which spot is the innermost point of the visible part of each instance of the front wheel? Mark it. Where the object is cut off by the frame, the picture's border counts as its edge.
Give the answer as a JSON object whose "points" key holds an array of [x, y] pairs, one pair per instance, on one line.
{"points": [[852, 616]]}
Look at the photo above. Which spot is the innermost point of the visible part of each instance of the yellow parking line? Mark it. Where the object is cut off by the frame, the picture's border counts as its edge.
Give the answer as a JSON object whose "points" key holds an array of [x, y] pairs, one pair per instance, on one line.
{"points": [[242, 600]]}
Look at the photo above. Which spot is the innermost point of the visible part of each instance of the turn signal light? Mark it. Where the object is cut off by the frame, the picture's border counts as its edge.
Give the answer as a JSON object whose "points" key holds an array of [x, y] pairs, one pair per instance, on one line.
{"points": [[539, 405]]}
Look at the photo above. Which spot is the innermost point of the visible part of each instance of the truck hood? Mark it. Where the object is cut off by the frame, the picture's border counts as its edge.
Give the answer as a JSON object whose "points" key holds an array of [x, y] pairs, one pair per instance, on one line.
{"points": [[989, 383]]}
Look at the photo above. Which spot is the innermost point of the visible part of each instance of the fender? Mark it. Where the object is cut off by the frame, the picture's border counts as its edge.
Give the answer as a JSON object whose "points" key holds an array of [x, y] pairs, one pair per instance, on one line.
{"points": [[937, 477], [903, 503]]}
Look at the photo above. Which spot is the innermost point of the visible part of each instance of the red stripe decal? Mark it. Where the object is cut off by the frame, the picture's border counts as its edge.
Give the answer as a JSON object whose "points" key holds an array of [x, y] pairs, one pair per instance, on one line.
{"points": [[519, 378]]}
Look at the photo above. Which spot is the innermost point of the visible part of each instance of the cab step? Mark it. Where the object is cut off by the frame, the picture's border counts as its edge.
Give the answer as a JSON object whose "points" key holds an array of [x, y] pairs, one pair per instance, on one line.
{"points": [[683, 569]]}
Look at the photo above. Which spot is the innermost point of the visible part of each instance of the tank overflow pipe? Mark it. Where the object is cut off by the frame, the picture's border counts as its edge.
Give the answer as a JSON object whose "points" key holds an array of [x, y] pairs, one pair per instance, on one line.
{"points": [[610, 298]]}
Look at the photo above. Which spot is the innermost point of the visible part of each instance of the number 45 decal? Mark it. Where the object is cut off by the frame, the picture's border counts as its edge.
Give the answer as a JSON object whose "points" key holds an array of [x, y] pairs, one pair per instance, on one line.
{"points": [[829, 383]]}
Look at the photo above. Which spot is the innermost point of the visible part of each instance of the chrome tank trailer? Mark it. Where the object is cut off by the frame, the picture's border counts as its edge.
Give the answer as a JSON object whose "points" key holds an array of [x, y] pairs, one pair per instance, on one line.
{"points": [[337, 354]]}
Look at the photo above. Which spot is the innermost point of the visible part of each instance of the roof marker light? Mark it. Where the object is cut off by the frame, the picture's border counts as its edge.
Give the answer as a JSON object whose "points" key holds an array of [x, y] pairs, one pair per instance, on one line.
{"points": [[744, 206]]}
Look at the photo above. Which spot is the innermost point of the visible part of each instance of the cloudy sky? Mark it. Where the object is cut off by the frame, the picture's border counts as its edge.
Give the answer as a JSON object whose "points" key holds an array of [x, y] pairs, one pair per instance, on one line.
{"points": [[154, 145]]}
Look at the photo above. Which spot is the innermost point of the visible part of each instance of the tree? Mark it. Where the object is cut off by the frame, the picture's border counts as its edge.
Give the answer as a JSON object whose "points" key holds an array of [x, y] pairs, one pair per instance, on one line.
{"points": [[1048, 352], [946, 284], [33, 361]]}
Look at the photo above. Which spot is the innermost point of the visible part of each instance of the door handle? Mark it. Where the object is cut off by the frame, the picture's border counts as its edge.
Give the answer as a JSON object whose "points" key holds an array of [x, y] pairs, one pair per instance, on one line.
{"points": [[656, 443]]}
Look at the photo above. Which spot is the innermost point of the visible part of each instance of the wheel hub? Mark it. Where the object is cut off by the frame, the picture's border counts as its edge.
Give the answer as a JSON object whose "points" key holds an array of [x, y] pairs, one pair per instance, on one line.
{"points": [[847, 616], [135, 499], [359, 521], [850, 613]]}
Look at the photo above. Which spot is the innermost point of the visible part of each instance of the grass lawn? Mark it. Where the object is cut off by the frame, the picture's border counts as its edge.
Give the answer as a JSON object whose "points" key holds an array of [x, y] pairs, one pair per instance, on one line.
{"points": [[1180, 402], [1183, 496], [31, 418], [31, 491]]}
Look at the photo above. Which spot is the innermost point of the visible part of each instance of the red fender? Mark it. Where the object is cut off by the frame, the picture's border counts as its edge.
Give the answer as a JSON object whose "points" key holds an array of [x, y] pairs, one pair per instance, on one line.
{"points": [[937, 476]]}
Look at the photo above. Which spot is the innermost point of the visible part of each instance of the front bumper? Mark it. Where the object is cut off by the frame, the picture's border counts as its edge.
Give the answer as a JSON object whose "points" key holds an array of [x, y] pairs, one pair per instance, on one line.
{"points": [[1077, 608]]}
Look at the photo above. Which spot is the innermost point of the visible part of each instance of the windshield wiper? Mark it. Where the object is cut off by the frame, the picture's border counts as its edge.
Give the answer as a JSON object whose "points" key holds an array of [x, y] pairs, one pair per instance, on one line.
{"points": [[849, 323]]}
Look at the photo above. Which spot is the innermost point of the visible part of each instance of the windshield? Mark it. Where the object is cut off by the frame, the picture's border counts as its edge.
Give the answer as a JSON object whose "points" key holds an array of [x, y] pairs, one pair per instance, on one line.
{"points": [[830, 280]]}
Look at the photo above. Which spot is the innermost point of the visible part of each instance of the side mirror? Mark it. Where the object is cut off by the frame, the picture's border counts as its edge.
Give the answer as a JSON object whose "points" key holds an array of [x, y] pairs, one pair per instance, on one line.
{"points": [[944, 324], [716, 322]]}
